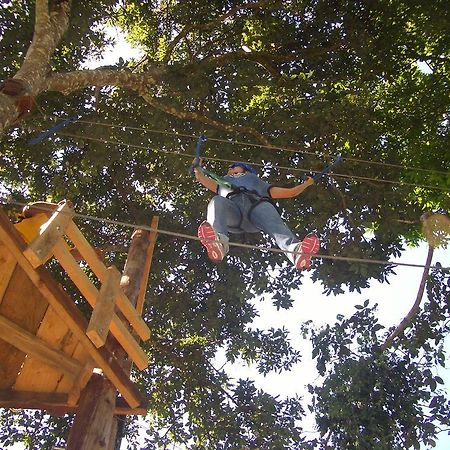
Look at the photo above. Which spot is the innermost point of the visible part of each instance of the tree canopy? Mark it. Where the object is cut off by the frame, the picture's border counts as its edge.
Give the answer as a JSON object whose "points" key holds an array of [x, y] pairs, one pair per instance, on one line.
{"points": [[285, 85]]}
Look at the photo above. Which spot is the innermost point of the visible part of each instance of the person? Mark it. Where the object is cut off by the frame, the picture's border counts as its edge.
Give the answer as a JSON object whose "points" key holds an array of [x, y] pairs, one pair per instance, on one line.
{"points": [[247, 206]]}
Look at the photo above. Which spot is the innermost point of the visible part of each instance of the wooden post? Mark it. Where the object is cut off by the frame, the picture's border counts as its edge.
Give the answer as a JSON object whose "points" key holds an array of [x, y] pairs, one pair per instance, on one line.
{"points": [[100, 421], [148, 265], [93, 423]]}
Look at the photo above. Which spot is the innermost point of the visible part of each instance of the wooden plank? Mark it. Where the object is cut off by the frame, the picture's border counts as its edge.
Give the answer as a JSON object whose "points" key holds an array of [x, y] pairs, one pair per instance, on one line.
{"points": [[103, 313], [148, 264], [69, 313], [41, 247], [24, 305], [122, 409], [31, 400], [90, 292], [80, 382], [99, 269], [30, 344], [37, 377], [57, 403], [7, 266]]}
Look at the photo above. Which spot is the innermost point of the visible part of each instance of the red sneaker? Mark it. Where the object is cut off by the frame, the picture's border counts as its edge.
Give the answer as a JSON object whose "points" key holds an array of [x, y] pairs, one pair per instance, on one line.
{"points": [[310, 245], [210, 240]]}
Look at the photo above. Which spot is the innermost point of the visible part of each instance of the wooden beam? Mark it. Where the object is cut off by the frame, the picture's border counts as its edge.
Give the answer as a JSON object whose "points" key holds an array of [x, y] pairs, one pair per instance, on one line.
{"points": [[7, 266], [103, 313], [32, 400], [90, 292], [56, 403], [68, 312], [148, 264], [30, 344], [79, 384], [41, 247], [99, 269]]}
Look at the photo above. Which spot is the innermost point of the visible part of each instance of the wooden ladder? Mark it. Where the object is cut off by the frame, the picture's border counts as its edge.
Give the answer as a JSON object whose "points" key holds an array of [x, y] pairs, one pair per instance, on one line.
{"points": [[105, 302]]}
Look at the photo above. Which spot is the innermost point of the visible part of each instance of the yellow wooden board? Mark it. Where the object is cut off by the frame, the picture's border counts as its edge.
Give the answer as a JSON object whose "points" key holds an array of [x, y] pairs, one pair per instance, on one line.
{"points": [[24, 305], [35, 375], [7, 265]]}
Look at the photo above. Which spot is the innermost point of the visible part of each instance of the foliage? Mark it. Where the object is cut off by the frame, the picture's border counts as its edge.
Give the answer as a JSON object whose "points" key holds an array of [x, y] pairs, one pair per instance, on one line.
{"points": [[384, 400], [320, 78]]}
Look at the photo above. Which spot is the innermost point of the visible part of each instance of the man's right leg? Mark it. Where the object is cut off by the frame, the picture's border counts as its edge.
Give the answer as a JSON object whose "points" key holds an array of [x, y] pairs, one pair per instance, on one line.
{"points": [[222, 215]]}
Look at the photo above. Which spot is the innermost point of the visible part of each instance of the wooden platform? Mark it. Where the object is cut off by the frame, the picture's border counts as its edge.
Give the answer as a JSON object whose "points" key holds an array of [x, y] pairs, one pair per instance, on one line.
{"points": [[48, 349]]}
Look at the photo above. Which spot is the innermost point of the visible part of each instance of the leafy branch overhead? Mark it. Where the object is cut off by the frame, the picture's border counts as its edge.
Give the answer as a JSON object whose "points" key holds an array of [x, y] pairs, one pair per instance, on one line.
{"points": [[286, 86]]}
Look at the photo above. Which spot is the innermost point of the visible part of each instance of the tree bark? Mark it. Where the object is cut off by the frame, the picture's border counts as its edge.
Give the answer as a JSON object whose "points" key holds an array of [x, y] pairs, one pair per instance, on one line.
{"points": [[93, 425], [415, 308], [49, 28]]}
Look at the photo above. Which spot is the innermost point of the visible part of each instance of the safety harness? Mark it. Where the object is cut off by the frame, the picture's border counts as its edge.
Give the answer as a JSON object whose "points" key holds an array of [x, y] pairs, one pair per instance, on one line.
{"points": [[255, 200], [254, 197]]}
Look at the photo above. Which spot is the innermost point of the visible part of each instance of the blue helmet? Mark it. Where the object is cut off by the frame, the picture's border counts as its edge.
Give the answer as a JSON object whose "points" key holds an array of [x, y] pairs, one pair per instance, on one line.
{"points": [[245, 166]]}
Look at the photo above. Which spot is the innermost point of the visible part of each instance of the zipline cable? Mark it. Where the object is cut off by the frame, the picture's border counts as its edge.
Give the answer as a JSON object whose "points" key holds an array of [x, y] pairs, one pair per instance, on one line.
{"points": [[249, 144], [293, 169], [188, 237]]}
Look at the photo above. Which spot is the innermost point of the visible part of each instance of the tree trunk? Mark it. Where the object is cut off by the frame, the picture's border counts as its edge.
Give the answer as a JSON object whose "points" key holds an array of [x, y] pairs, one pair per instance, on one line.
{"points": [[50, 25], [95, 426]]}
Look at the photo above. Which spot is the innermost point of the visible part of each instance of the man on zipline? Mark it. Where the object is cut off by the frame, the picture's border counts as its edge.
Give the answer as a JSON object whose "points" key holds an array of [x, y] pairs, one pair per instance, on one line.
{"points": [[244, 204]]}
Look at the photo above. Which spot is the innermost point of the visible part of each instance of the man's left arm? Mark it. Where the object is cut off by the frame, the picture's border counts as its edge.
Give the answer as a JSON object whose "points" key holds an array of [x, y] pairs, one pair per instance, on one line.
{"points": [[282, 192]]}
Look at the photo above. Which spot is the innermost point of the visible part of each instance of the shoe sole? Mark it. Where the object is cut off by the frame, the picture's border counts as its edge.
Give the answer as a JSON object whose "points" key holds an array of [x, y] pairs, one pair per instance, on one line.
{"points": [[310, 245], [209, 240]]}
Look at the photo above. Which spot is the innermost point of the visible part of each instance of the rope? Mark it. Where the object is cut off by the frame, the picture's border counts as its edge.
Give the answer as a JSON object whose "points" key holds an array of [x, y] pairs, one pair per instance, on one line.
{"points": [[293, 169], [249, 144], [189, 237]]}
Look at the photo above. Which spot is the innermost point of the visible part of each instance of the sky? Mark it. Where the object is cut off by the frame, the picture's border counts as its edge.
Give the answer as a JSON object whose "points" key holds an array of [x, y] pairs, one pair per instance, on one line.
{"points": [[394, 301]]}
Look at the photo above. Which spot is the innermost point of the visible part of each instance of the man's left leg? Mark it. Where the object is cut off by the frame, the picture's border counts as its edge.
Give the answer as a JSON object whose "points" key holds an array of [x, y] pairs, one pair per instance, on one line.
{"points": [[266, 218]]}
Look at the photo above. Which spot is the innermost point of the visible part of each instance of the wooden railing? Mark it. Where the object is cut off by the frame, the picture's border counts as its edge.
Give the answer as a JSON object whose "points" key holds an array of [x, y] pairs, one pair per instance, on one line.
{"points": [[106, 301]]}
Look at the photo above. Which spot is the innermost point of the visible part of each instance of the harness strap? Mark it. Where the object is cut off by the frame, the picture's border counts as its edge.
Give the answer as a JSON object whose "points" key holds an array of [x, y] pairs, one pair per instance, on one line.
{"points": [[254, 198], [47, 133]]}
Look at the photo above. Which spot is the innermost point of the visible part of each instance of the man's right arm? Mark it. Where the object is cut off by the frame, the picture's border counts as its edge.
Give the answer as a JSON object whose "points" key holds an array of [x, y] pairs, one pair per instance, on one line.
{"points": [[204, 180]]}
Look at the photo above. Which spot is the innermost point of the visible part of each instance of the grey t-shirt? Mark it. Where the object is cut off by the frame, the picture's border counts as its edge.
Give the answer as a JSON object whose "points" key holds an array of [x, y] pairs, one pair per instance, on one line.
{"points": [[247, 180]]}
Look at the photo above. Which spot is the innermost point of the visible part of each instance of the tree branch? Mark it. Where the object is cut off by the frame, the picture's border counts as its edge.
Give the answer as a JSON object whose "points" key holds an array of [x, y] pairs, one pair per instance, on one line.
{"points": [[73, 81], [265, 57], [407, 320], [17, 95], [42, 18], [49, 28], [211, 24], [189, 115]]}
